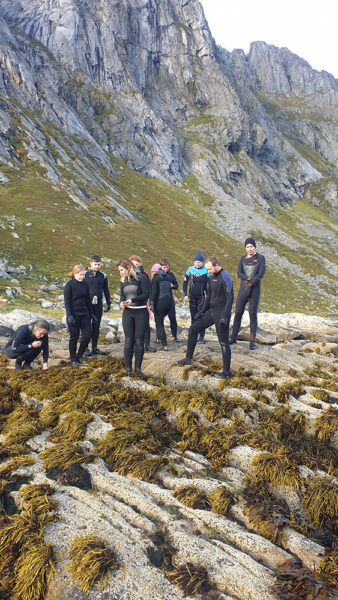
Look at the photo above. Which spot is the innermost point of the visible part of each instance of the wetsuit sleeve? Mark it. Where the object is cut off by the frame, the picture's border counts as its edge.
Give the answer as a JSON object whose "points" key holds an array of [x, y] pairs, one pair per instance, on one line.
{"points": [[240, 273], [19, 343], [143, 297], [206, 304], [174, 282], [45, 349], [106, 290], [229, 294], [88, 302], [260, 272], [67, 294], [122, 295], [185, 283], [155, 289]]}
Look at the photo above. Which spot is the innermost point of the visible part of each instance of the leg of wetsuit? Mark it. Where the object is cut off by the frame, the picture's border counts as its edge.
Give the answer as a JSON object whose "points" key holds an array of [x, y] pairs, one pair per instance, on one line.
{"points": [[222, 330], [27, 356], [74, 332], [172, 318], [85, 327], [253, 308], [199, 307], [97, 311], [147, 334], [242, 298], [198, 325], [141, 322], [128, 323], [162, 309]]}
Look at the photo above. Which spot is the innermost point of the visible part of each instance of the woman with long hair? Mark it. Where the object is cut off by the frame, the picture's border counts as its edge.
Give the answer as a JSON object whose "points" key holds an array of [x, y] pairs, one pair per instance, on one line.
{"points": [[134, 293], [79, 313], [160, 301], [165, 264]]}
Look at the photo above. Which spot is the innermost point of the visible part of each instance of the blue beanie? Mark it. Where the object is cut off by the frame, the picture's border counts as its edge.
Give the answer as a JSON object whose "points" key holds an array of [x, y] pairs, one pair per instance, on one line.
{"points": [[250, 241], [199, 256]]}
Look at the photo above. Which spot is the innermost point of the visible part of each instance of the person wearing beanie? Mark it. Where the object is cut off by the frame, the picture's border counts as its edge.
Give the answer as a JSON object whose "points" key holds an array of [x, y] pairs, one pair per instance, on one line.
{"points": [[160, 301], [216, 310], [196, 279], [250, 271]]}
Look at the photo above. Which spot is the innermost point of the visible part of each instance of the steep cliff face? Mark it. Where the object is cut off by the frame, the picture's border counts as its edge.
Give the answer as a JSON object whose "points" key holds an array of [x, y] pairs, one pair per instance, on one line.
{"points": [[147, 82], [87, 88]]}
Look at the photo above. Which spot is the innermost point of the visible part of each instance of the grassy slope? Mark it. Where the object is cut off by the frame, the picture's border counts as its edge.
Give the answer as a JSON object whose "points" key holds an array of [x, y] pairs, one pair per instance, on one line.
{"points": [[171, 222]]}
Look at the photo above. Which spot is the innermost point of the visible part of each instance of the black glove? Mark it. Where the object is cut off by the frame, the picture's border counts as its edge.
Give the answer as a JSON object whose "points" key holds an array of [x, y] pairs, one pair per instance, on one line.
{"points": [[199, 315], [71, 320], [107, 309]]}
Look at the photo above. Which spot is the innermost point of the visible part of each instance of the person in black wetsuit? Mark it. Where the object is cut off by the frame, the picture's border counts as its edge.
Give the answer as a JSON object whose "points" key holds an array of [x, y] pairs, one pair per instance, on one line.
{"points": [[160, 301], [137, 262], [98, 286], [250, 270], [79, 313], [26, 344], [215, 310], [165, 264], [134, 293], [196, 278]]}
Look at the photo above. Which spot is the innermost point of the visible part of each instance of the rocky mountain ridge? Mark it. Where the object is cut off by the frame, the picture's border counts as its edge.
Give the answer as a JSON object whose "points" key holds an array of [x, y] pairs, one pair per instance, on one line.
{"points": [[88, 88]]}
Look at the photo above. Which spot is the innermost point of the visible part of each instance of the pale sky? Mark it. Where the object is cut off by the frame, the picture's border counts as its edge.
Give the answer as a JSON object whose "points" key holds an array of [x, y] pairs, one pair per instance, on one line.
{"points": [[308, 28]]}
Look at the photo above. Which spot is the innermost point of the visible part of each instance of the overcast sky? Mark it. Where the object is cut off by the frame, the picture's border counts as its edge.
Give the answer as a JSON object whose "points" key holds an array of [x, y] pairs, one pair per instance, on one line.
{"points": [[308, 28]]}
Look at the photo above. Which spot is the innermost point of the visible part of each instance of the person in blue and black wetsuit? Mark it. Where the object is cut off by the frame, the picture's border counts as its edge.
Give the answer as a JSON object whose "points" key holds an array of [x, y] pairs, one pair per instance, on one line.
{"points": [[196, 278], [250, 271], [165, 264], [215, 310]]}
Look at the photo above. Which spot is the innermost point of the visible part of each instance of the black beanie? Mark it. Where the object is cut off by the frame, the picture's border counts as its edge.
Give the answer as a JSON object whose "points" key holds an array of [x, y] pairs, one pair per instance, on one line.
{"points": [[250, 241], [199, 256]]}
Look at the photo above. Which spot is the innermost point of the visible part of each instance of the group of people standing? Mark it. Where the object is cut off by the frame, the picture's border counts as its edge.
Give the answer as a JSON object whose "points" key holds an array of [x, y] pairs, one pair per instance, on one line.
{"points": [[207, 287]]}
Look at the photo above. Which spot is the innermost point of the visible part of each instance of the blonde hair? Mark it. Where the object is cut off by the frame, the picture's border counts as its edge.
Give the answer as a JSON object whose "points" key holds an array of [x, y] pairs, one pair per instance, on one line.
{"points": [[127, 264], [76, 269]]}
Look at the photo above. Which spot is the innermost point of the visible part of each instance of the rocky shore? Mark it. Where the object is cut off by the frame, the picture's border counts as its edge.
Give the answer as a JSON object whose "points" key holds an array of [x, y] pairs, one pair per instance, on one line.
{"points": [[198, 489]]}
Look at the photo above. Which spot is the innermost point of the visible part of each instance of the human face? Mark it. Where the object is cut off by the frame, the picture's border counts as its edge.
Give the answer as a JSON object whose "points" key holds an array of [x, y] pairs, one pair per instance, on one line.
{"points": [[136, 263], [123, 271], [95, 265], [80, 275], [211, 269], [165, 268], [39, 333], [198, 264], [250, 249]]}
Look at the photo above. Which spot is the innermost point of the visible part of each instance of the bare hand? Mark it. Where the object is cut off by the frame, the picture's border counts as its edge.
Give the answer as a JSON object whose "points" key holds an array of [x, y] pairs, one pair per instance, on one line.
{"points": [[186, 299], [250, 284], [36, 344], [45, 366]]}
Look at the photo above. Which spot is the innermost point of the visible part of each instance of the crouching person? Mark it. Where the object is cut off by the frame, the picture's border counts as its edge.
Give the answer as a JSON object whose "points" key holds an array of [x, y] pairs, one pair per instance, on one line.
{"points": [[27, 343]]}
